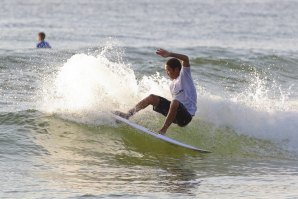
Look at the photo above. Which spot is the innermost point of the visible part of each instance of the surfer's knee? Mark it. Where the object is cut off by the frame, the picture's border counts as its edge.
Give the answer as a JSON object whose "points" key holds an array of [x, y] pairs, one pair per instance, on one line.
{"points": [[153, 99], [152, 96]]}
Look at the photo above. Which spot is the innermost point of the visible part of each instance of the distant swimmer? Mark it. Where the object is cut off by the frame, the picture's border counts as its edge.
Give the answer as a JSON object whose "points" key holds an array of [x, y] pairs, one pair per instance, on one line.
{"points": [[184, 103], [41, 42]]}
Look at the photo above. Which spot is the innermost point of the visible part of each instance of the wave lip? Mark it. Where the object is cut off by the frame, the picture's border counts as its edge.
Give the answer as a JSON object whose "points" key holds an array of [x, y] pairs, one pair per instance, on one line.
{"points": [[279, 126]]}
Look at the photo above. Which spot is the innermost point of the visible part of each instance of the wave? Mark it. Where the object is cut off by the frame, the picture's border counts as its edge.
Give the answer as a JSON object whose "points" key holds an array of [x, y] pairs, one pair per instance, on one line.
{"points": [[87, 87], [38, 131], [279, 127]]}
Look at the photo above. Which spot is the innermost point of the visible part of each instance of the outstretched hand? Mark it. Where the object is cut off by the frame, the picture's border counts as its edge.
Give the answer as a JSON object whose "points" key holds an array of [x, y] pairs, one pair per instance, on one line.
{"points": [[162, 52]]}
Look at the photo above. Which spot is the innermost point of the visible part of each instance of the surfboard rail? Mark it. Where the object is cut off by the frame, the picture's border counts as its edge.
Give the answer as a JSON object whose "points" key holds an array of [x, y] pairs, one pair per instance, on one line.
{"points": [[157, 135]]}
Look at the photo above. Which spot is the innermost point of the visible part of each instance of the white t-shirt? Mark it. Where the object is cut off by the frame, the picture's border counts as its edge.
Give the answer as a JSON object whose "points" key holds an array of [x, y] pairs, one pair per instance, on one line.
{"points": [[183, 90]]}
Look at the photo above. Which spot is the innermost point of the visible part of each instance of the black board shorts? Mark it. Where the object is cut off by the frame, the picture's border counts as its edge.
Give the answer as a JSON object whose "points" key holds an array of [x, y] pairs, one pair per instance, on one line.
{"points": [[183, 117]]}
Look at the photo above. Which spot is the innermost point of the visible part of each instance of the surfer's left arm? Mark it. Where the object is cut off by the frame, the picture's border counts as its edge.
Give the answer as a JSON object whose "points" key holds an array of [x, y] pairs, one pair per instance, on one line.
{"points": [[170, 117]]}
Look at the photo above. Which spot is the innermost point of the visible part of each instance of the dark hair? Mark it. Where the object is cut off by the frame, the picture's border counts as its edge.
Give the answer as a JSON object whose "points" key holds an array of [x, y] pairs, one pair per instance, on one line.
{"points": [[174, 63], [42, 35]]}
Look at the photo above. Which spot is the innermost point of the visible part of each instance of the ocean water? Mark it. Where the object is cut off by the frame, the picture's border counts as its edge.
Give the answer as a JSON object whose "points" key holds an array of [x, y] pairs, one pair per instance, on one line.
{"points": [[58, 140]]}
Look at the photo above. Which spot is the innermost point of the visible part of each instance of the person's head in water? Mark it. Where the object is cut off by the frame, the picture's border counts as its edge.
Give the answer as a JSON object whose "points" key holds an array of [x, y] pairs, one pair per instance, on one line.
{"points": [[173, 67], [41, 41], [41, 36]]}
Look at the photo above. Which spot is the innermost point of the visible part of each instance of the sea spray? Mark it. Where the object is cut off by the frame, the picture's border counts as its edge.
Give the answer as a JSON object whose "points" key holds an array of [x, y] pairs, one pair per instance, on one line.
{"points": [[264, 92], [88, 87], [260, 111]]}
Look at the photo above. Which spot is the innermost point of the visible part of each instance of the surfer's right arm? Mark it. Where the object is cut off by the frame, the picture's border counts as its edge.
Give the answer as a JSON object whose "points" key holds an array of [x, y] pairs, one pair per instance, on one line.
{"points": [[170, 117], [165, 53]]}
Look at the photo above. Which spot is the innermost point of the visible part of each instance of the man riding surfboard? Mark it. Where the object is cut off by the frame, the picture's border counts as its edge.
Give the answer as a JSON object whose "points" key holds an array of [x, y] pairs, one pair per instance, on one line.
{"points": [[184, 103]]}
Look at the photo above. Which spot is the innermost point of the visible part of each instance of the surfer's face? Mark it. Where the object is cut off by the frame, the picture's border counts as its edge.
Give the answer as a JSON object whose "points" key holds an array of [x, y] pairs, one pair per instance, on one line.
{"points": [[172, 73]]}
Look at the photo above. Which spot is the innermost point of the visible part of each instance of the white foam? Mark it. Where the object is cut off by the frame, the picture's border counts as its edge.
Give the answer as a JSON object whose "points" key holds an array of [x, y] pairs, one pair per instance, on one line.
{"points": [[278, 126], [87, 87]]}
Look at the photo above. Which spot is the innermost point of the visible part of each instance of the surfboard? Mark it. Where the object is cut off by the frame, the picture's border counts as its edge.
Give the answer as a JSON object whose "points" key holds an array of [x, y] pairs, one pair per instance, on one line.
{"points": [[157, 135]]}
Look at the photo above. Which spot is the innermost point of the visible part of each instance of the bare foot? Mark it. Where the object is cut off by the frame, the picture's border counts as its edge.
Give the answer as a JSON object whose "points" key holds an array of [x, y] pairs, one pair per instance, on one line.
{"points": [[121, 114]]}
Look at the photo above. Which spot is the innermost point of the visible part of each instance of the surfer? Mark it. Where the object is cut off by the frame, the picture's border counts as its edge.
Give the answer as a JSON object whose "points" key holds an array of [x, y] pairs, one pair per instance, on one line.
{"points": [[41, 42], [183, 105]]}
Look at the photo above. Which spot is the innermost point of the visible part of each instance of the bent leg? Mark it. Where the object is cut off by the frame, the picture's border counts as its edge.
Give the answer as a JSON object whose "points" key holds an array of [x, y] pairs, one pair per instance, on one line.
{"points": [[149, 100]]}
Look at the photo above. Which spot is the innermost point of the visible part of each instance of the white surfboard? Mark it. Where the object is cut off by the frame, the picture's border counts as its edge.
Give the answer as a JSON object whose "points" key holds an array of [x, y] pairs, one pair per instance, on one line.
{"points": [[157, 135]]}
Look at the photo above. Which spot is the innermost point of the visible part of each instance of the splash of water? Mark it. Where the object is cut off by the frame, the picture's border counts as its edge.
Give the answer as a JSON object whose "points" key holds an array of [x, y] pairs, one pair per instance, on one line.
{"points": [[87, 87], [264, 93], [261, 111]]}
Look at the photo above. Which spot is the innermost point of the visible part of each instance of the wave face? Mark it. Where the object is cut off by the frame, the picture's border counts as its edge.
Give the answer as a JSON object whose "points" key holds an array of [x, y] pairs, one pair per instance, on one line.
{"points": [[240, 95]]}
